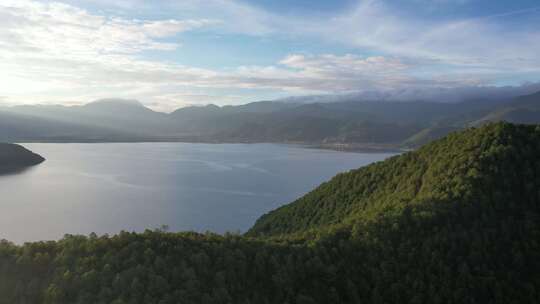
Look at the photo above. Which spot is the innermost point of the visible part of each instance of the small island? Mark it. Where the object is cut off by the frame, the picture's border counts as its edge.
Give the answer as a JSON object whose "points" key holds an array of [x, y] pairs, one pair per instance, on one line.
{"points": [[15, 157]]}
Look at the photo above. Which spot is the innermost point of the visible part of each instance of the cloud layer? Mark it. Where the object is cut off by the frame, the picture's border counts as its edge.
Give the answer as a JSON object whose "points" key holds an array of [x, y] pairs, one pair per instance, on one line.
{"points": [[51, 51]]}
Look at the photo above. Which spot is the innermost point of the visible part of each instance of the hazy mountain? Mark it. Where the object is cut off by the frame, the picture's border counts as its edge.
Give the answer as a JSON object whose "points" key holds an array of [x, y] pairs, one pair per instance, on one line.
{"points": [[16, 127], [211, 120], [125, 116], [456, 221], [131, 118], [426, 94], [523, 109], [351, 122], [397, 123]]}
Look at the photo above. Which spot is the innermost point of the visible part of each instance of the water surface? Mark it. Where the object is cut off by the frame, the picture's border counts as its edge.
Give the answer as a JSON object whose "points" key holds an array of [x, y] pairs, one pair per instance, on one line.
{"points": [[106, 188]]}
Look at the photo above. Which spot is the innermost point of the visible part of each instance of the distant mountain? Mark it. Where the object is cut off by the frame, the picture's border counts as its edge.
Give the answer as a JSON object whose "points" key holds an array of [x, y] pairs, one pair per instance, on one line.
{"points": [[15, 157], [117, 108], [524, 109], [18, 127], [348, 122], [456, 221], [209, 121], [127, 117]]}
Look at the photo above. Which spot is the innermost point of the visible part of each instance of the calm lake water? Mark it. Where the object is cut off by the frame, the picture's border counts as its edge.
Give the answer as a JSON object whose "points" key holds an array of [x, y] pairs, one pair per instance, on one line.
{"points": [[106, 188]]}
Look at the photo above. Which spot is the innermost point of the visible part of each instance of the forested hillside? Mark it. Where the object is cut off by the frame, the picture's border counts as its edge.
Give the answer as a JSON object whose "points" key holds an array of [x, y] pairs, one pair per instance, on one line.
{"points": [[457, 221], [470, 165]]}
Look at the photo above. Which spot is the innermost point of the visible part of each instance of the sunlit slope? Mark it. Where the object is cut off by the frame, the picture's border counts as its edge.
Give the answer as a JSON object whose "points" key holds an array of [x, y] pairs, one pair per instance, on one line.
{"points": [[485, 167]]}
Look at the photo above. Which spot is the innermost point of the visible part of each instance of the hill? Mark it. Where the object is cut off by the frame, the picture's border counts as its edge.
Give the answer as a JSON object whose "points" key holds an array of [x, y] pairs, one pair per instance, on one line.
{"points": [[463, 166], [457, 221], [14, 157]]}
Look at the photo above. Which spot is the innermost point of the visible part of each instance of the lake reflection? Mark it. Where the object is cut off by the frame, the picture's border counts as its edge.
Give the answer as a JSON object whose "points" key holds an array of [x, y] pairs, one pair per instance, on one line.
{"points": [[105, 188]]}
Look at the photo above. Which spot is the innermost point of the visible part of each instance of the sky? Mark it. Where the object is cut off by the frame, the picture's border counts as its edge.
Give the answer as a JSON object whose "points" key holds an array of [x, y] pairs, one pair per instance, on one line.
{"points": [[170, 54]]}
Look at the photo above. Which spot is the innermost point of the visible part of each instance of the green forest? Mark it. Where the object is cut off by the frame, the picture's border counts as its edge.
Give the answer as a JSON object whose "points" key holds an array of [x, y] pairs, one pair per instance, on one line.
{"points": [[456, 221]]}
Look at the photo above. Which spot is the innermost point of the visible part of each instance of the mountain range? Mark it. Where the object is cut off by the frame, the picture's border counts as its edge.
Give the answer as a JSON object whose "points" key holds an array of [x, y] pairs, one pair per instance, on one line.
{"points": [[346, 123]]}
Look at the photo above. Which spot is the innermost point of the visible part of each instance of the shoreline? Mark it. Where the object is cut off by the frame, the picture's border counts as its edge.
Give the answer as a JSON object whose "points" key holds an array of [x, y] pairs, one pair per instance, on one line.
{"points": [[360, 148], [341, 147]]}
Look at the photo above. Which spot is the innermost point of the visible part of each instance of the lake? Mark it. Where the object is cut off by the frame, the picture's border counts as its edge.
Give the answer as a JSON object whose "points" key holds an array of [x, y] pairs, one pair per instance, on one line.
{"points": [[106, 188]]}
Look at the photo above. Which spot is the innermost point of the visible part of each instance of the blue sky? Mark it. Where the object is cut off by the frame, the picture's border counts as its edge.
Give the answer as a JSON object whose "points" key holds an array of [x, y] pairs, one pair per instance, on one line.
{"points": [[170, 54]]}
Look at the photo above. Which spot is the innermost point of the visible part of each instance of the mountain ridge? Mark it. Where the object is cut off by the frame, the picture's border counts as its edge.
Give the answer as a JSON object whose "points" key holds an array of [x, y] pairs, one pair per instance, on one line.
{"points": [[347, 124]]}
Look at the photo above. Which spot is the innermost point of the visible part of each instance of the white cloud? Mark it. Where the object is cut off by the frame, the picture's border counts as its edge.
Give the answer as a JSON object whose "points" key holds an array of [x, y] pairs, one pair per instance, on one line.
{"points": [[378, 26], [165, 28], [60, 29], [440, 94], [328, 65], [459, 42], [55, 51], [63, 51]]}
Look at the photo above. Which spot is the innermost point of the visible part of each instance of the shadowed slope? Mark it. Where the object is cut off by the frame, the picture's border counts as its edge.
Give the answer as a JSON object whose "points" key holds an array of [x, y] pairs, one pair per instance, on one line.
{"points": [[15, 157]]}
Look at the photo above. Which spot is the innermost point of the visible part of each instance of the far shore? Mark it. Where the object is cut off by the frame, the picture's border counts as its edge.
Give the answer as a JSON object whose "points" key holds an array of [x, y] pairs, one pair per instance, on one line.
{"points": [[344, 147]]}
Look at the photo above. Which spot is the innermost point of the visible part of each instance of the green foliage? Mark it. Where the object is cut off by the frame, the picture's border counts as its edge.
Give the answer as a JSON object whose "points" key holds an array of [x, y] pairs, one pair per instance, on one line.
{"points": [[461, 169], [457, 221]]}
